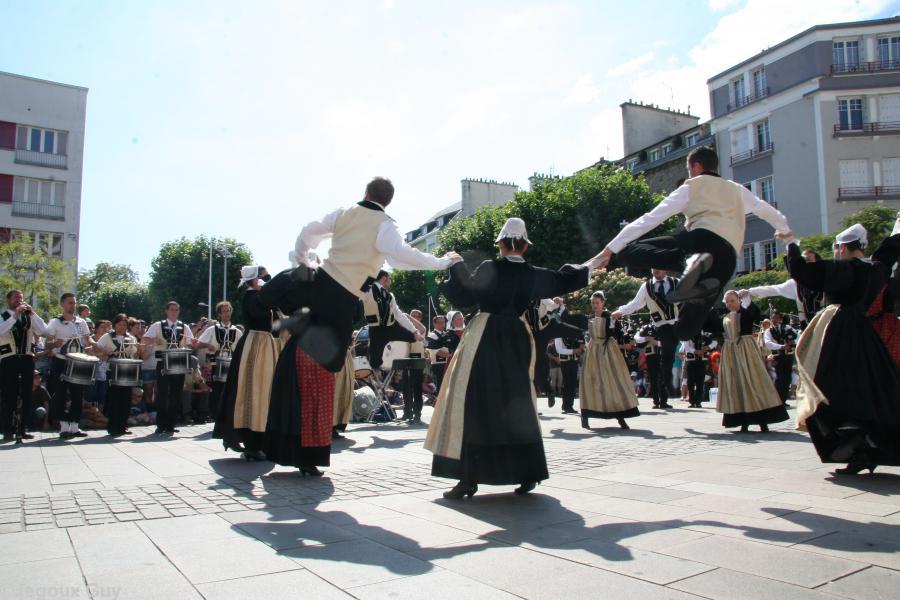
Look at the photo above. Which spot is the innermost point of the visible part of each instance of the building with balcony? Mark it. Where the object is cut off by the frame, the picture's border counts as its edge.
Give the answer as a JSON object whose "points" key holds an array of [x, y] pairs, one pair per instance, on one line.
{"points": [[812, 125], [476, 193], [41, 152]]}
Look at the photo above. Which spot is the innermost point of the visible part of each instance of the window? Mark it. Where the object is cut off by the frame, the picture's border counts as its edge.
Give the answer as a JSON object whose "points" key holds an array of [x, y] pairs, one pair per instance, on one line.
{"points": [[759, 82], [890, 172], [39, 191], [770, 253], [763, 139], [667, 149], [654, 155], [691, 139], [765, 189], [35, 139], [749, 186], [889, 52], [846, 54], [749, 258], [632, 164], [850, 113], [854, 173], [737, 87], [50, 244]]}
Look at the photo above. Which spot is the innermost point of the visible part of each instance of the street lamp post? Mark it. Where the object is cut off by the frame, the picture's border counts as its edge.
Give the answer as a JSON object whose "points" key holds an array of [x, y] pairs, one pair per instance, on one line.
{"points": [[623, 224], [209, 287], [226, 254]]}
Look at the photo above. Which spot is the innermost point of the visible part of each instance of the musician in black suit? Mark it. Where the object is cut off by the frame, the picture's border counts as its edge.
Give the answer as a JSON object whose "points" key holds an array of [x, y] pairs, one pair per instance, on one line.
{"points": [[18, 327], [387, 323], [545, 317], [569, 348], [781, 339]]}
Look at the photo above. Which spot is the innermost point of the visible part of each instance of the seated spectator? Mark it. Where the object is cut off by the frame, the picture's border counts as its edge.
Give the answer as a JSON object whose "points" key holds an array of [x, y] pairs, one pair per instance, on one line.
{"points": [[40, 402], [429, 390], [194, 395], [391, 392], [139, 414], [91, 417]]}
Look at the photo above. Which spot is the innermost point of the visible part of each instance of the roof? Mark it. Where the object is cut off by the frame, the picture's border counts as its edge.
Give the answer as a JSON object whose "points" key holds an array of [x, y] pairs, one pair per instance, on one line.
{"points": [[456, 206], [666, 139], [68, 85], [814, 28]]}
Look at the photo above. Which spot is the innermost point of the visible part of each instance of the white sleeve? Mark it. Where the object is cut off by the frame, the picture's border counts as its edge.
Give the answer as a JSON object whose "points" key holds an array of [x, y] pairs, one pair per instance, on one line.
{"points": [[671, 205], [401, 317], [188, 335], [209, 337], [713, 344], [639, 338], [401, 255], [561, 348], [745, 302], [152, 331], [896, 228], [106, 344], [638, 302], [6, 325], [38, 326], [311, 236], [764, 210], [771, 344], [786, 289], [238, 334]]}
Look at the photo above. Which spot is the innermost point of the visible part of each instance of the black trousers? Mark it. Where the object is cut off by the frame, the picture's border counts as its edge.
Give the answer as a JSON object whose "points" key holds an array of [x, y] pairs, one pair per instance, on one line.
{"points": [[696, 374], [15, 382], [784, 367], [668, 345], [211, 408], [437, 373], [333, 310], [118, 405], [670, 252], [553, 330], [379, 337], [659, 396], [412, 393], [168, 399], [63, 392], [570, 383]]}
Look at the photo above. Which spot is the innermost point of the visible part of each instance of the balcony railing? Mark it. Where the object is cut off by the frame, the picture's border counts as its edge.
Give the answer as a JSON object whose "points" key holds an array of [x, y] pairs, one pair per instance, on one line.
{"points": [[875, 128], [41, 159], [860, 193], [750, 99], [41, 211], [752, 153], [866, 67]]}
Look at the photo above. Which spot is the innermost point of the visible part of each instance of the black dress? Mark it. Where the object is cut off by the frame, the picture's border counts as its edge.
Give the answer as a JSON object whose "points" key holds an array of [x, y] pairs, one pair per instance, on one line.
{"points": [[485, 427], [850, 384]]}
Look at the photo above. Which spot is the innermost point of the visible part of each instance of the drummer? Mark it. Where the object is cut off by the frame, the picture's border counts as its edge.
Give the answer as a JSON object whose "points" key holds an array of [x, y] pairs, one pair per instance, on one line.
{"points": [[220, 339], [168, 334], [117, 344], [66, 334]]}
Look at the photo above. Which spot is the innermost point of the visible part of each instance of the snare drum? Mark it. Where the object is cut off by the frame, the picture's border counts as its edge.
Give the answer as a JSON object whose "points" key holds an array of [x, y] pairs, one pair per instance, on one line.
{"points": [[361, 367], [394, 350], [80, 368], [221, 368], [176, 361], [124, 372]]}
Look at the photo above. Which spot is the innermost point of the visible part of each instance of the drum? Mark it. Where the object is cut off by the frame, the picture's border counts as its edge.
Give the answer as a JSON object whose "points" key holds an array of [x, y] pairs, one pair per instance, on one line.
{"points": [[124, 372], [80, 368], [361, 367], [176, 361], [364, 402], [221, 368], [394, 350]]}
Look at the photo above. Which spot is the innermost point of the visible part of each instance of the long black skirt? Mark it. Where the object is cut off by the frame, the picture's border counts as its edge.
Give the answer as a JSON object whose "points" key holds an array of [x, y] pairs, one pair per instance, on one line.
{"points": [[767, 416], [282, 442], [224, 428], [501, 438], [861, 381]]}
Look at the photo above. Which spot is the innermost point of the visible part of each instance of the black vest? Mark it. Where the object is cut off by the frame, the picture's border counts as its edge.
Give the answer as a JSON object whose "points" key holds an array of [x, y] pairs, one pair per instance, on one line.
{"points": [[172, 336], [667, 308]]}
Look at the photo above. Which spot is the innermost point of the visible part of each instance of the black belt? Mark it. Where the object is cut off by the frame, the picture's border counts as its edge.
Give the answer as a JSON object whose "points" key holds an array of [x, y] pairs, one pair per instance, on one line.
{"points": [[786, 352], [566, 357]]}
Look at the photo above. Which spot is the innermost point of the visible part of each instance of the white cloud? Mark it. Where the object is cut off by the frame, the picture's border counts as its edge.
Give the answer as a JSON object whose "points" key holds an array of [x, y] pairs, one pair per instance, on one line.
{"points": [[720, 5], [584, 91], [630, 66]]}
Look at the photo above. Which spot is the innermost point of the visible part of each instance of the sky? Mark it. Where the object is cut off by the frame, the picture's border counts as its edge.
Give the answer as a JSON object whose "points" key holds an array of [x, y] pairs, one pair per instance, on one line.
{"points": [[250, 119]]}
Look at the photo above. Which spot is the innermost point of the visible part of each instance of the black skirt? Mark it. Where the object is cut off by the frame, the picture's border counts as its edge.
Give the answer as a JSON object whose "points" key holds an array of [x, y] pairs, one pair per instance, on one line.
{"points": [[224, 428], [862, 383], [767, 416], [622, 414], [501, 440]]}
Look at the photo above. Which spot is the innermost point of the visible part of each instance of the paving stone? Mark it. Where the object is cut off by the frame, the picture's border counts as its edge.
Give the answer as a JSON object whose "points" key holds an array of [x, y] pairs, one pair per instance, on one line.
{"points": [[723, 584]]}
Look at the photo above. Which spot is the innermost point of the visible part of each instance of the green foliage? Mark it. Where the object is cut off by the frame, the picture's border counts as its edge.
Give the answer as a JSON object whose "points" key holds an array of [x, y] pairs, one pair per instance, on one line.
{"points": [[820, 243], [618, 286], [878, 221], [771, 277], [569, 220], [40, 277], [129, 297], [92, 281], [180, 270], [411, 288]]}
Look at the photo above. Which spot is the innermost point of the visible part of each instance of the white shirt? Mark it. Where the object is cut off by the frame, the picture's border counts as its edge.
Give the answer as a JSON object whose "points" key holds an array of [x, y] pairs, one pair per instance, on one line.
{"points": [[896, 228], [209, 336], [770, 342], [640, 300], [389, 242], [641, 339], [561, 348], [106, 344], [155, 331], [688, 347], [399, 315], [38, 327], [66, 330], [675, 203], [786, 289]]}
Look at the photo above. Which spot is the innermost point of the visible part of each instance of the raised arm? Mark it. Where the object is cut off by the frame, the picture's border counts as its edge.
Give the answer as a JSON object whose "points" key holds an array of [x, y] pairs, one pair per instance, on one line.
{"points": [[786, 289], [463, 288], [556, 283], [671, 205], [765, 211], [821, 275], [638, 302], [888, 252], [311, 236], [401, 255]]}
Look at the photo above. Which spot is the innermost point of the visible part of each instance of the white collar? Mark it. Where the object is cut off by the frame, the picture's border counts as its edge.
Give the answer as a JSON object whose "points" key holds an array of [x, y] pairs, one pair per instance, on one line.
{"points": [[515, 259]]}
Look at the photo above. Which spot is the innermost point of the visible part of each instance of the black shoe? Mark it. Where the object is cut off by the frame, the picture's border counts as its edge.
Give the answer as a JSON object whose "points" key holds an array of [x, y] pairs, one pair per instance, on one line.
{"points": [[859, 463], [848, 449], [233, 447], [253, 455], [525, 488], [665, 405], [27, 436], [417, 419], [65, 435], [461, 490], [311, 470], [623, 424], [689, 281], [655, 405], [551, 401], [79, 434], [763, 428], [745, 428], [584, 422], [336, 435]]}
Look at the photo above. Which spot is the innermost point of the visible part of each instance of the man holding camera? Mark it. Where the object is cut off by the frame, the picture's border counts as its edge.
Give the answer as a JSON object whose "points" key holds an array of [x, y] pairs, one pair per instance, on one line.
{"points": [[17, 331]]}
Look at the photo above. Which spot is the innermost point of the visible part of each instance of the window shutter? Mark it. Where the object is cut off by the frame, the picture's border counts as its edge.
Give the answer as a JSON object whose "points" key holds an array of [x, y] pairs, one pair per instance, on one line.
{"points": [[5, 235], [21, 138], [7, 135], [6, 189], [61, 142]]}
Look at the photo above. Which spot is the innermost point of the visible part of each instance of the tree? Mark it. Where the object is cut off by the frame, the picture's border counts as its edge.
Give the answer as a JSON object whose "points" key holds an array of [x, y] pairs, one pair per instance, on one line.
{"points": [[179, 273], [127, 297], [92, 281], [569, 220], [771, 277], [617, 285], [413, 288], [41, 278], [878, 221]]}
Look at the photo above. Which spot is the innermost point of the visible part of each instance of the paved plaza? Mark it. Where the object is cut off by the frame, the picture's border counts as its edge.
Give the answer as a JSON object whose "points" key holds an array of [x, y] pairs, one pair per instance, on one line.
{"points": [[677, 507]]}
